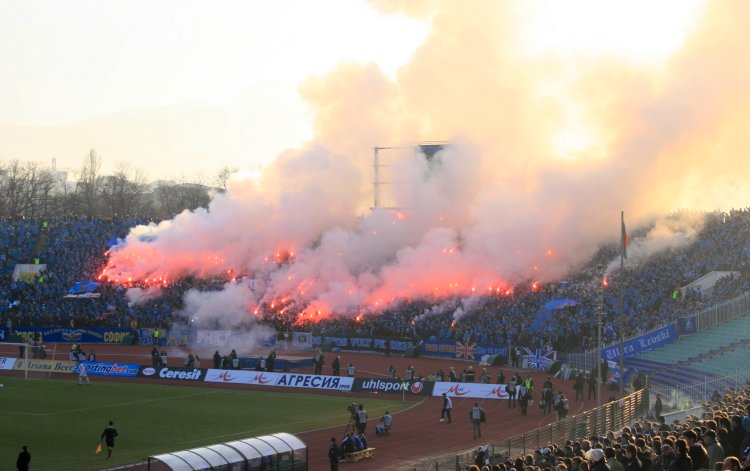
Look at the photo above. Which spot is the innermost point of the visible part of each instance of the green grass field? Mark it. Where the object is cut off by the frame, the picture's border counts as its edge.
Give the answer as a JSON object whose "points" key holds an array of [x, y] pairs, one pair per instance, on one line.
{"points": [[61, 422]]}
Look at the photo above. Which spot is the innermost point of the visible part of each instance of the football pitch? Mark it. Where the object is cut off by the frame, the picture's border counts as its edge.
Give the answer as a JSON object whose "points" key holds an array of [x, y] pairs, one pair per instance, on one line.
{"points": [[62, 422]]}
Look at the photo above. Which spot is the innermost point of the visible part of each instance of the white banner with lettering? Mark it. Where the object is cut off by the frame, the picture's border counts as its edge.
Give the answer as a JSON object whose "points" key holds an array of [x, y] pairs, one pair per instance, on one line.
{"points": [[473, 390], [289, 380]]}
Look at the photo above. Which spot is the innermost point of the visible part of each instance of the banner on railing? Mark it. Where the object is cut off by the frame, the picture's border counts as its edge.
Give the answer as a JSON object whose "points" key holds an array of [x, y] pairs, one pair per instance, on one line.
{"points": [[364, 344], [214, 338], [73, 335], [538, 359], [687, 325], [302, 340], [644, 343]]}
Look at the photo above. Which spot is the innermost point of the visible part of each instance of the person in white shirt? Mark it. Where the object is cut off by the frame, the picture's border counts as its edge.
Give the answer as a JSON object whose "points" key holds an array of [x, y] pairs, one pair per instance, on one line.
{"points": [[361, 419], [447, 407], [83, 374]]}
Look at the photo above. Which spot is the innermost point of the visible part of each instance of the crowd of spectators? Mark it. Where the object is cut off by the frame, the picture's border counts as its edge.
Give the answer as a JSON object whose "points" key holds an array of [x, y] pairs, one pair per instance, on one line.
{"points": [[74, 249], [718, 440]]}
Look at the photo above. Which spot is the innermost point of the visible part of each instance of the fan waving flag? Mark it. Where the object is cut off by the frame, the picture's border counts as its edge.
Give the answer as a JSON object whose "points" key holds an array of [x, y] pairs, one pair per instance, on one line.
{"points": [[624, 235]]}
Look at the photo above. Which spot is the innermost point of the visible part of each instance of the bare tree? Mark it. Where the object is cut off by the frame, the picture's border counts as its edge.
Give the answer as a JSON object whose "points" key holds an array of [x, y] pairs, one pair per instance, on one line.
{"points": [[223, 176], [26, 190], [65, 203], [86, 188], [122, 195], [173, 198]]}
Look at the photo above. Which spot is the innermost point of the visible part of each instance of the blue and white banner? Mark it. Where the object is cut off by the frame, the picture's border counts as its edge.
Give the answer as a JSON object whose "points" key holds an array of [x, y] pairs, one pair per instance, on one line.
{"points": [[84, 287], [289, 380], [179, 374], [687, 325], [73, 335], [302, 340], [3, 334], [644, 343], [364, 343], [538, 359]]}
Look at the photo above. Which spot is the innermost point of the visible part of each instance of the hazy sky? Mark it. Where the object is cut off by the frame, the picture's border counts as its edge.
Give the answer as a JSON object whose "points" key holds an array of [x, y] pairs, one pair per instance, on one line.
{"points": [[219, 77], [185, 87]]}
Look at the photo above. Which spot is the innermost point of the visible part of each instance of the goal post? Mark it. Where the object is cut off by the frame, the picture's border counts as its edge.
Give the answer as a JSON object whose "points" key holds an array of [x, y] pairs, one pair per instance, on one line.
{"points": [[11, 353]]}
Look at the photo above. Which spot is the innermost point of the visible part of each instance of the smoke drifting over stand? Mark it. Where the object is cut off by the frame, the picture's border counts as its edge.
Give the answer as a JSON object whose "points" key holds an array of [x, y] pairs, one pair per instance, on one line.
{"points": [[501, 205]]}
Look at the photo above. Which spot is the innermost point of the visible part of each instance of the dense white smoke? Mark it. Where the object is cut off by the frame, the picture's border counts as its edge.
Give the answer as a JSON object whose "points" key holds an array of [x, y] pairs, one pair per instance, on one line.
{"points": [[498, 206]]}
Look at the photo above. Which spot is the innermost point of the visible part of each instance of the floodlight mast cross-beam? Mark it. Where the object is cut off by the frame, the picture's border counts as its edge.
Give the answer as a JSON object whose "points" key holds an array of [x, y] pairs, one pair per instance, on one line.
{"points": [[377, 183]]}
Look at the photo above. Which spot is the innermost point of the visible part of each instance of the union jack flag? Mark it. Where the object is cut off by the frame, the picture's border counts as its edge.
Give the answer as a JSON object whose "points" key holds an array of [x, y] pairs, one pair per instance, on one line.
{"points": [[538, 360], [466, 350]]}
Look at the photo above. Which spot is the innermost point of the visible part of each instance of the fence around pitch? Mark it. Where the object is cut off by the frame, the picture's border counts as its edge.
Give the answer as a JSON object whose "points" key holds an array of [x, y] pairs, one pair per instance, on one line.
{"points": [[594, 422]]}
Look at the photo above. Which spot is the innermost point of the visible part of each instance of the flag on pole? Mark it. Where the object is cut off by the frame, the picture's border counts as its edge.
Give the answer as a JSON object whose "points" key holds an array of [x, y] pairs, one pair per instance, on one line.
{"points": [[624, 235], [99, 448]]}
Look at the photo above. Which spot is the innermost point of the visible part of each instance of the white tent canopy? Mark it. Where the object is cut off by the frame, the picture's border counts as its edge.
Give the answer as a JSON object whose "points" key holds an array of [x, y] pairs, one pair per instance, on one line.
{"points": [[280, 451]]}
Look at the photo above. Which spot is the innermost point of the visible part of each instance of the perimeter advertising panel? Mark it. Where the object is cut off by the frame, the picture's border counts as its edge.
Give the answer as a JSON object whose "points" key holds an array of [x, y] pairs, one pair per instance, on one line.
{"points": [[98, 368], [421, 388], [289, 380], [178, 374], [472, 390], [49, 366]]}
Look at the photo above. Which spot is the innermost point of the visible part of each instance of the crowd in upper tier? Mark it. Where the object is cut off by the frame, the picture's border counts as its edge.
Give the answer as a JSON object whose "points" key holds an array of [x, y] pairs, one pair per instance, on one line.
{"points": [[74, 249]]}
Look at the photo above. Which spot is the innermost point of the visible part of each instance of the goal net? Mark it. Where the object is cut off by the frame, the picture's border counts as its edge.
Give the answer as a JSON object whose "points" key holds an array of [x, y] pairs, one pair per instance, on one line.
{"points": [[30, 360]]}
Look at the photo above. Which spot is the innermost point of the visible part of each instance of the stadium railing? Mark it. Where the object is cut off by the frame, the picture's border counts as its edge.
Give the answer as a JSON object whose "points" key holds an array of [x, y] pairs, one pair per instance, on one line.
{"points": [[595, 422], [705, 319], [685, 397]]}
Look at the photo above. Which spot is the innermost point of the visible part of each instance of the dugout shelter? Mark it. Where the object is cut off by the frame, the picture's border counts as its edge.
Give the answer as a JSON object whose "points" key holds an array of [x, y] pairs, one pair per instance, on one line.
{"points": [[276, 452]]}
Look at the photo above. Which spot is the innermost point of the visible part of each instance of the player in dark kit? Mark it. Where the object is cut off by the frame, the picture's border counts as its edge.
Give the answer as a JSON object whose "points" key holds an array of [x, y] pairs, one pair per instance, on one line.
{"points": [[24, 458], [108, 435]]}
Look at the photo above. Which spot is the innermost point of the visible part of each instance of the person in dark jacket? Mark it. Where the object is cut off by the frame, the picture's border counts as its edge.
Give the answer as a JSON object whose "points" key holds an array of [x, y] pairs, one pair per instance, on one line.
{"points": [[336, 366], [658, 406], [23, 460], [696, 451], [682, 461], [632, 463], [334, 452]]}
